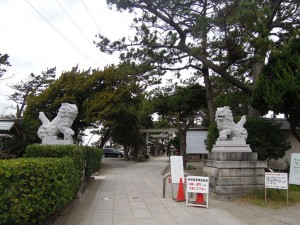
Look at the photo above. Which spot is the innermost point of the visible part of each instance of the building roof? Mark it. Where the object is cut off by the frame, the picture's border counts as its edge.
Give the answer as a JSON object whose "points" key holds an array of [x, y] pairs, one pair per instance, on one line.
{"points": [[7, 125], [284, 124]]}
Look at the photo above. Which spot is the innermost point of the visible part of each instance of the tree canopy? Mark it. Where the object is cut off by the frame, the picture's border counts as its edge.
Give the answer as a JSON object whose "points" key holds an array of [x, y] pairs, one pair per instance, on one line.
{"points": [[180, 106], [34, 86], [4, 63], [181, 103], [67, 88], [266, 138], [225, 94], [118, 106], [103, 97], [278, 88], [231, 38]]}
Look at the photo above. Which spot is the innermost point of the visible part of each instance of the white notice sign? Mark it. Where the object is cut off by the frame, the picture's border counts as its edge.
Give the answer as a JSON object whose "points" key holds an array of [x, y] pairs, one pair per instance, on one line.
{"points": [[197, 184], [295, 169], [176, 169], [276, 180]]}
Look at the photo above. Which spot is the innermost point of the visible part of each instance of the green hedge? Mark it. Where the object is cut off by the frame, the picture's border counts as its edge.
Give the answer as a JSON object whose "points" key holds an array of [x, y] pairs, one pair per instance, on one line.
{"points": [[33, 189], [57, 151], [92, 155], [45, 181]]}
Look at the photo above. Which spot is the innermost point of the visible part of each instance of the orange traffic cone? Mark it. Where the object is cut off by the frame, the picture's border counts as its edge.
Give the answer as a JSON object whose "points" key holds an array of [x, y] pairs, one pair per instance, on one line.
{"points": [[180, 195], [200, 198]]}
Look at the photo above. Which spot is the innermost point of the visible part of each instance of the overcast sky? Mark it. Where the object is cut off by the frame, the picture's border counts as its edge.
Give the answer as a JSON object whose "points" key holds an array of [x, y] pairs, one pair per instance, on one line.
{"points": [[55, 33]]}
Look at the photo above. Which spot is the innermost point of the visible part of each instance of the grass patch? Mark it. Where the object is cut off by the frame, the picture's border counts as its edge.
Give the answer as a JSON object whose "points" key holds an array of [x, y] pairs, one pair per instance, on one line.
{"points": [[190, 167], [275, 198]]}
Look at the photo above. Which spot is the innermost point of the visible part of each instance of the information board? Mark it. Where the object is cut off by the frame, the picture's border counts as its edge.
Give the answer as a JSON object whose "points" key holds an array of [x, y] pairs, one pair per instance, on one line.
{"points": [[196, 188], [176, 169], [295, 169], [195, 142], [196, 184], [276, 180]]}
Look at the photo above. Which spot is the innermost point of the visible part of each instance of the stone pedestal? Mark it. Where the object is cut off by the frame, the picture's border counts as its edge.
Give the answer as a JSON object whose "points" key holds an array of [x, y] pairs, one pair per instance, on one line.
{"points": [[232, 174], [53, 141], [231, 146]]}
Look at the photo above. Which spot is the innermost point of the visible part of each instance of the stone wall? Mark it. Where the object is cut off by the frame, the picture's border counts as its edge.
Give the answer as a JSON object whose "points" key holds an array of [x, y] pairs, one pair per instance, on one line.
{"points": [[233, 174]]}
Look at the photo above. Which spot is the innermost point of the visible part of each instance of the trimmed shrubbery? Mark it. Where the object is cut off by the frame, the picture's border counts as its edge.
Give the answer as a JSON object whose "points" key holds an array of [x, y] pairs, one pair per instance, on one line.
{"points": [[58, 151], [92, 155], [33, 189], [44, 182], [93, 158]]}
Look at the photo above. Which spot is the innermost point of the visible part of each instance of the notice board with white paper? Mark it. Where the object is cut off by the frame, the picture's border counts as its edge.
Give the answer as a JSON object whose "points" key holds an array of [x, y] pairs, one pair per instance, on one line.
{"points": [[295, 169], [276, 180], [176, 169]]}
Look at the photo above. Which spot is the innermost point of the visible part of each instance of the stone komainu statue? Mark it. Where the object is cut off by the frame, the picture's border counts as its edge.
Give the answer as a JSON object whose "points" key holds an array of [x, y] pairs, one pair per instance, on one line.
{"points": [[228, 130], [61, 123]]}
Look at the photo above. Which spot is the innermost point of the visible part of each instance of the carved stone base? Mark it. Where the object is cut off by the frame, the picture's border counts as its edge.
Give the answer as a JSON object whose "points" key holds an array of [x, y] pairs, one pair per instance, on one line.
{"points": [[232, 174], [231, 146], [52, 141]]}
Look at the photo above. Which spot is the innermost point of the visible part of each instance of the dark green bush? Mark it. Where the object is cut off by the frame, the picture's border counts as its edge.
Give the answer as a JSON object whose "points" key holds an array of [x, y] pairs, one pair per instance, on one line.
{"points": [[32, 189], [92, 155], [264, 137], [213, 134], [93, 158], [57, 151]]}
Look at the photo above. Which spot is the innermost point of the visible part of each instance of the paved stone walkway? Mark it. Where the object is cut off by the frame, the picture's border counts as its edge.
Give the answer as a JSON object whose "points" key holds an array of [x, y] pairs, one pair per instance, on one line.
{"points": [[133, 196]]}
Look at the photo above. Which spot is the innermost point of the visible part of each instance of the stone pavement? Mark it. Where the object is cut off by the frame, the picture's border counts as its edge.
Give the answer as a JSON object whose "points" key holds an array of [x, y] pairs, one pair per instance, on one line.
{"points": [[133, 196]]}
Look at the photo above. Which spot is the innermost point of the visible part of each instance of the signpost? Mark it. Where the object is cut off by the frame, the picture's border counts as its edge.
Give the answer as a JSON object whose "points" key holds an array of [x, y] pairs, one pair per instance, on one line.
{"points": [[177, 172], [295, 169], [276, 181], [176, 169], [200, 186]]}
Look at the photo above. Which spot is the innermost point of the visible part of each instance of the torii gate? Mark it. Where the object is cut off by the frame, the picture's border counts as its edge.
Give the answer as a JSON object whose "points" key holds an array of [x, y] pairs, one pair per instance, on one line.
{"points": [[163, 133]]}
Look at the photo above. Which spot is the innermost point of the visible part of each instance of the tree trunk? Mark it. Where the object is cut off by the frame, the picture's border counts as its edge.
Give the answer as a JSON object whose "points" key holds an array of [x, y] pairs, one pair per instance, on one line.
{"points": [[126, 152], [183, 146], [104, 138], [21, 109], [205, 72], [256, 71], [209, 94]]}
